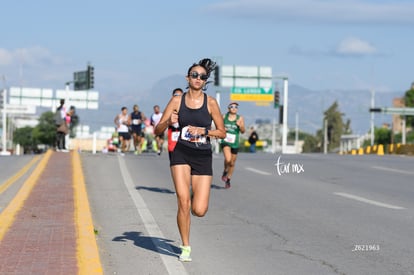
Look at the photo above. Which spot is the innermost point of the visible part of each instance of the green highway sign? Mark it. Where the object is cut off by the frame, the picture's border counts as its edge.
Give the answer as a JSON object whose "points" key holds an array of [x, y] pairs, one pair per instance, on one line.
{"points": [[250, 90]]}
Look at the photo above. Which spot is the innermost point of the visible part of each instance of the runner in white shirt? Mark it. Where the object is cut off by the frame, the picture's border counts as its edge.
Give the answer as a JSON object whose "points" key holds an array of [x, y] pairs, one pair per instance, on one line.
{"points": [[155, 118], [121, 121]]}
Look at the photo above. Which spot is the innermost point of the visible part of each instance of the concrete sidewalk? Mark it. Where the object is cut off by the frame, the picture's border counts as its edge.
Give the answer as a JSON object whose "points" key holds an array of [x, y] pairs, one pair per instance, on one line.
{"points": [[47, 227]]}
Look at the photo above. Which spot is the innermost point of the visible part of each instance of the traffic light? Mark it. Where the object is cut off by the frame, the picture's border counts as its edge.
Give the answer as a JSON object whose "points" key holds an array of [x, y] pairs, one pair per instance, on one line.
{"points": [[276, 99], [375, 110], [217, 76], [90, 75], [281, 114]]}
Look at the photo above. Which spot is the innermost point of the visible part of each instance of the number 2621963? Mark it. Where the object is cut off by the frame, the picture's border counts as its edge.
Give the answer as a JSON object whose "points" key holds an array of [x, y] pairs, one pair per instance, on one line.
{"points": [[366, 247]]}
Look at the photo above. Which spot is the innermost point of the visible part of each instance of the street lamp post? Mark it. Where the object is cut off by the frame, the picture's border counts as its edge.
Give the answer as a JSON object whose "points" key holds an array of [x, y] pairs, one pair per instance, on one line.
{"points": [[372, 117], [285, 114], [4, 151]]}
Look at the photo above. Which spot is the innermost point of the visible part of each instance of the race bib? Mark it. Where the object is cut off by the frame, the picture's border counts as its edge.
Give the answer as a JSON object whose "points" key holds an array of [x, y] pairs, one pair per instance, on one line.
{"points": [[185, 135], [175, 135], [230, 138], [136, 121]]}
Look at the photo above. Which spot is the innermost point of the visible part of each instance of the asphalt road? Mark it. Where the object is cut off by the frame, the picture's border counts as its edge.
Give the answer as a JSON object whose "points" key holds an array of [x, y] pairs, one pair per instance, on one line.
{"points": [[284, 214], [14, 170]]}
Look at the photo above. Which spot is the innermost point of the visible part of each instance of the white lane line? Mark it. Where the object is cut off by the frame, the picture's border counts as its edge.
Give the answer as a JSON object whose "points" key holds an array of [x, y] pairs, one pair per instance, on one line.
{"points": [[258, 171], [393, 170], [172, 264], [361, 199]]}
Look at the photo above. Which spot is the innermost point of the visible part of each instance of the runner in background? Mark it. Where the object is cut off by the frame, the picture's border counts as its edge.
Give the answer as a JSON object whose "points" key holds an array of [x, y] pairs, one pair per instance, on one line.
{"points": [[136, 120], [155, 119], [174, 130], [234, 124], [121, 121]]}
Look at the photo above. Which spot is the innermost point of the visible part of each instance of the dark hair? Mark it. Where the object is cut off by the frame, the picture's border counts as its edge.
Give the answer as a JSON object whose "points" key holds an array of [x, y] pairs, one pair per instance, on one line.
{"points": [[177, 90], [123, 108], [208, 64]]}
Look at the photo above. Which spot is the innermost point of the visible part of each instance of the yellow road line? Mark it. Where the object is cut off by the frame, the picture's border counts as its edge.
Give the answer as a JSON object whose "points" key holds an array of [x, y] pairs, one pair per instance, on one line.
{"points": [[9, 213], [87, 249], [16, 176]]}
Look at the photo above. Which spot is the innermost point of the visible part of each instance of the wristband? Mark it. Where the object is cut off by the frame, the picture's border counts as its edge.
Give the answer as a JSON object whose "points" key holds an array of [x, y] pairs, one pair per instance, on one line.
{"points": [[206, 132]]}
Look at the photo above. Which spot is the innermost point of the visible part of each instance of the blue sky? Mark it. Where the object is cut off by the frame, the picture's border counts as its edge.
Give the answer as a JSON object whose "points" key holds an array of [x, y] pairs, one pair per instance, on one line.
{"points": [[335, 44]]}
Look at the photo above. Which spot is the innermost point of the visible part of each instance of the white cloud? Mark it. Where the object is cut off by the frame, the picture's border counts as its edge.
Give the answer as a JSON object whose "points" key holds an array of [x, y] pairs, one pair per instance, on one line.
{"points": [[351, 46], [320, 11], [355, 46], [6, 58], [32, 56]]}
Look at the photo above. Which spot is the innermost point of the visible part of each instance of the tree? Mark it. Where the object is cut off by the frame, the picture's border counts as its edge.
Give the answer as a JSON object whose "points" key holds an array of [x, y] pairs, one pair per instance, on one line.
{"points": [[409, 102], [310, 144], [382, 136], [336, 126], [24, 137], [45, 130], [409, 137]]}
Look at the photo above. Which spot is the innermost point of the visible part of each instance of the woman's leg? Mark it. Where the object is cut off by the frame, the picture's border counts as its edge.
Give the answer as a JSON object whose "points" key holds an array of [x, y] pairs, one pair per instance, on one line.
{"points": [[181, 176], [201, 194]]}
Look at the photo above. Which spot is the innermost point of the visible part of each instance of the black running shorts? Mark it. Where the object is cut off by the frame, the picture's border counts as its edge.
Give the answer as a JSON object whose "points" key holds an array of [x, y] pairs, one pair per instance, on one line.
{"points": [[200, 161], [125, 135], [234, 151]]}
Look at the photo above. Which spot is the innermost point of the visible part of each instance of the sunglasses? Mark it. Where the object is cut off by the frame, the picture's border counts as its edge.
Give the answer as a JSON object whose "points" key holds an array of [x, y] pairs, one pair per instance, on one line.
{"points": [[195, 75], [233, 107]]}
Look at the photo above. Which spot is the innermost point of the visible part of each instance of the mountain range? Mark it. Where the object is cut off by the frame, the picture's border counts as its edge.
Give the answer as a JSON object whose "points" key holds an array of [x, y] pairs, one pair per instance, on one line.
{"points": [[308, 105]]}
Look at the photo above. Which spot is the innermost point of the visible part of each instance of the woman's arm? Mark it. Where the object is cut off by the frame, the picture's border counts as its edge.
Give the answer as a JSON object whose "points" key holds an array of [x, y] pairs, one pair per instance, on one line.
{"points": [[167, 118], [220, 131]]}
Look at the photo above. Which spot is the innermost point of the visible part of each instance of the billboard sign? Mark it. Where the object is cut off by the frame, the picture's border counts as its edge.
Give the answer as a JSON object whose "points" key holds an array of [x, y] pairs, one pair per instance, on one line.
{"points": [[86, 99], [248, 83]]}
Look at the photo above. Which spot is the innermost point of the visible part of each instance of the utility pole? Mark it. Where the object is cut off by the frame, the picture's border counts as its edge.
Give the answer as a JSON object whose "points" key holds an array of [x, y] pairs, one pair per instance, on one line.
{"points": [[297, 132], [285, 115], [325, 136], [4, 151], [372, 117], [217, 83]]}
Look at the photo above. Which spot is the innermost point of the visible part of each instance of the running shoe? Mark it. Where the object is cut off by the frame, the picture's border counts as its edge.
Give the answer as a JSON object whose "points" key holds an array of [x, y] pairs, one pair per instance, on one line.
{"points": [[185, 254], [227, 186], [224, 176]]}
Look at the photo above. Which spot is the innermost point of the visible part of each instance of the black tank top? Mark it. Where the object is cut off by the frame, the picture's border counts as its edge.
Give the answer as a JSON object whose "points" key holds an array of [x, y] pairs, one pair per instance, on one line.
{"points": [[134, 118], [195, 117]]}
